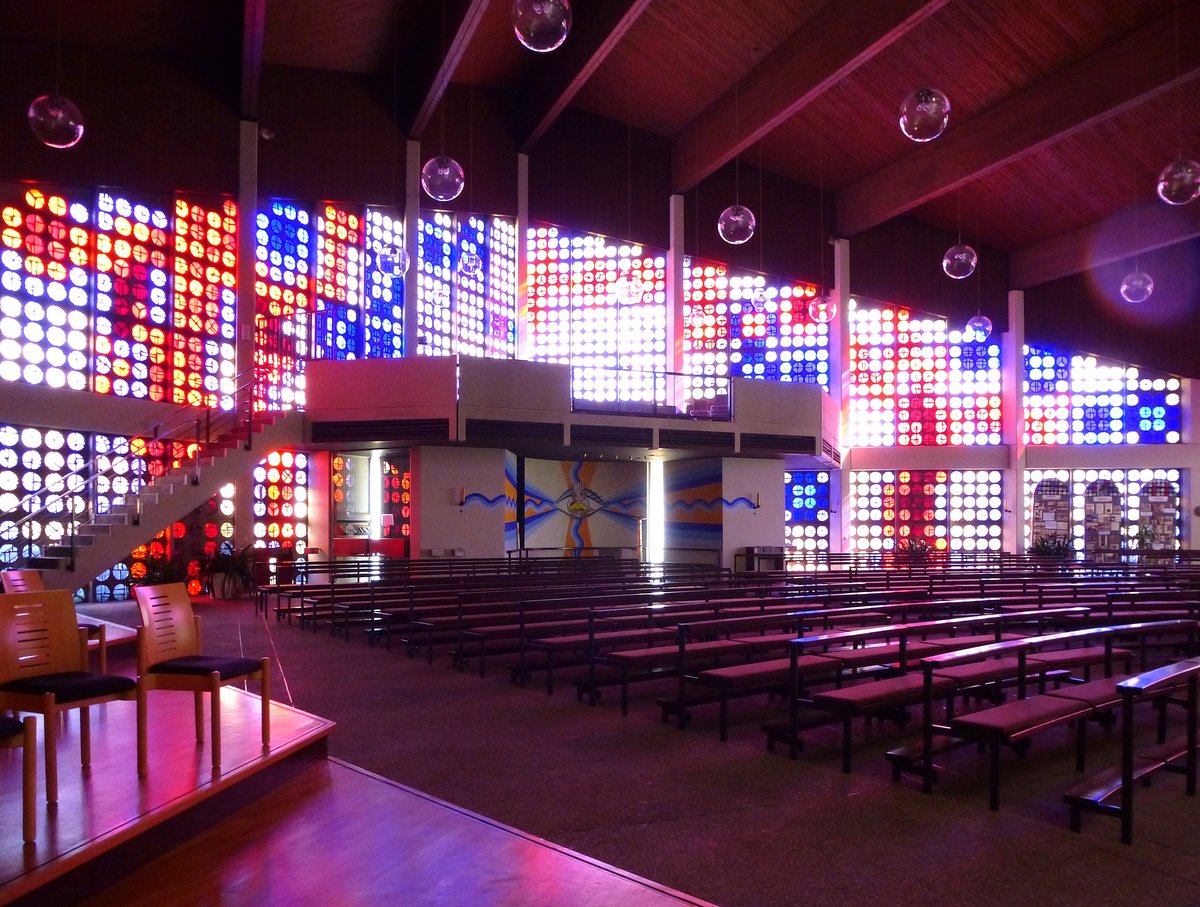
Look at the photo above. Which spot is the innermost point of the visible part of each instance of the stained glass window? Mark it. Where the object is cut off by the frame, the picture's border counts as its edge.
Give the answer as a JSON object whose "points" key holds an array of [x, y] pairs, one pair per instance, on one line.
{"points": [[749, 326], [281, 501], [133, 299], [283, 299], [1148, 515], [205, 304], [947, 509], [806, 510], [917, 381], [383, 318], [1075, 399], [46, 281], [598, 304], [337, 323]]}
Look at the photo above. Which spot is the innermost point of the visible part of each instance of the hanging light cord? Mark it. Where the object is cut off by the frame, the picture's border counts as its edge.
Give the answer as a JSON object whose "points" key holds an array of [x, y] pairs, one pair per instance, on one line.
{"points": [[58, 49], [1178, 99], [821, 206]]}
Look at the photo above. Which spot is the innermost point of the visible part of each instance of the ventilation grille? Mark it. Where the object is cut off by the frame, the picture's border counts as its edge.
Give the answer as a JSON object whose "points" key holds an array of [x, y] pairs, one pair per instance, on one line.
{"points": [[830, 452], [793, 444], [499, 431], [677, 438], [611, 435]]}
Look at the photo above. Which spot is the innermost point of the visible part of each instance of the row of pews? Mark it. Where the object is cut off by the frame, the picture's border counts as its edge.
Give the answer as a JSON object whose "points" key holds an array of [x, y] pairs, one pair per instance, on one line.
{"points": [[986, 660]]}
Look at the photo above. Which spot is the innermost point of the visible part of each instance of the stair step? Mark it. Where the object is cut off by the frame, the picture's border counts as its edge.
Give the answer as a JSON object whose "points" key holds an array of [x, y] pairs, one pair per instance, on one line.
{"points": [[47, 563]]}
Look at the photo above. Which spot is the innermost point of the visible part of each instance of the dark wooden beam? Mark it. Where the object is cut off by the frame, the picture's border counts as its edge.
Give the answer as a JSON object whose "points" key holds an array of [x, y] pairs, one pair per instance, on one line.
{"points": [[849, 33], [593, 37], [1114, 79], [254, 20], [1118, 237], [455, 48]]}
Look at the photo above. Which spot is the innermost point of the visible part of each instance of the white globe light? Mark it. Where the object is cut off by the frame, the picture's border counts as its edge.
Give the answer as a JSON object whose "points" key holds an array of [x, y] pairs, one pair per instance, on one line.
{"points": [[56, 121], [392, 261], [1137, 287], [541, 25], [959, 261], [822, 309], [470, 265], [736, 224], [924, 114], [979, 328], [1179, 182], [442, 178]]}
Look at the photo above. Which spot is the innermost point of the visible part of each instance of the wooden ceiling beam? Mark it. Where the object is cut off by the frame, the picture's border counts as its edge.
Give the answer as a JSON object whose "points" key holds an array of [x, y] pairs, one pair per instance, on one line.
{"points": [[595, 32], [254, 21], [1124, 235], [455, 49], [1110, 81], [826, 49]]}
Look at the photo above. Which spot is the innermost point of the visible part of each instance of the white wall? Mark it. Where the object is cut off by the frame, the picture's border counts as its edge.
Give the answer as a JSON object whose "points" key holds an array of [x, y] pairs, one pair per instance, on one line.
{"points": [[439, 474], [758, 480]]}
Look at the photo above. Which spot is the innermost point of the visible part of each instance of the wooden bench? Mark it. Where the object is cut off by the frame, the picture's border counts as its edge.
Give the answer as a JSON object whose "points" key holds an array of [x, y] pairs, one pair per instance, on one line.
{"points": [[1140, 765], [1014, 723], [893, 695]]}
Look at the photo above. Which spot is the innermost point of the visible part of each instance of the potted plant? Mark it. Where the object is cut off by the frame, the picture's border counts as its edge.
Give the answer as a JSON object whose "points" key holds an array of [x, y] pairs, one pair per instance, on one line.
{"points": [[1052, 548], [228, 572], [913, 551]]}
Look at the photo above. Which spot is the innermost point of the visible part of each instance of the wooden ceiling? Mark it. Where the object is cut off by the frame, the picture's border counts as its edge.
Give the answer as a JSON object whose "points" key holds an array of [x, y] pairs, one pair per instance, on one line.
{"points": [[1064, 111]]}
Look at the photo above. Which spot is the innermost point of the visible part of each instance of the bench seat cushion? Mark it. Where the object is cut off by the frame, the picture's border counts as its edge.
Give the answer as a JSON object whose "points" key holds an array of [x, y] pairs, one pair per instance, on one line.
{"points": [[1099, 694], [766, 642], [667, 655], [200, 665], [950, 643], [766, 673], [1019, 718], [906, 689], [1077, 658], [884, 654], [976, 672]]}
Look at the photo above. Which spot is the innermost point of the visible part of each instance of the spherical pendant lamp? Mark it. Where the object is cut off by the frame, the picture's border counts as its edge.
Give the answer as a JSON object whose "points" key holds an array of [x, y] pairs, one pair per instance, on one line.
{"points": [[1137, 287], [56, 121], [822, 309], [979, 329], [736, 224], [959, 261], [541, 25], [924, 114], [442, 178], [1179, 182], [392, 261]]}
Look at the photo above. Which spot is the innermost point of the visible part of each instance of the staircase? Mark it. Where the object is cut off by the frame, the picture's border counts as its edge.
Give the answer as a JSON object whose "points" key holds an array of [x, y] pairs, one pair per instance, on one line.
{"points": [[142, 515], [229, 445]]}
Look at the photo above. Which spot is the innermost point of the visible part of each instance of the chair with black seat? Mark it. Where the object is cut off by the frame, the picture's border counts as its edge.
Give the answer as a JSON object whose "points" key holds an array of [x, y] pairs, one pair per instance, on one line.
{"points": [[22, 733], [43, 669], [169, 658]]}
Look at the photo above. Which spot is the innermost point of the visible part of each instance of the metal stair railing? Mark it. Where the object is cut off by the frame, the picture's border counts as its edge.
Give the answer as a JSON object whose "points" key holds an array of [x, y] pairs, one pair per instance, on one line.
{"points": [[75, 493]]}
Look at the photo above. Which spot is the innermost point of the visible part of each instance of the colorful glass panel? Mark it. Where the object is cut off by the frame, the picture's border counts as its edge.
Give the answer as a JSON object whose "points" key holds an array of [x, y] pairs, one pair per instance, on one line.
{"points": [[917, 381], [46, 281]]}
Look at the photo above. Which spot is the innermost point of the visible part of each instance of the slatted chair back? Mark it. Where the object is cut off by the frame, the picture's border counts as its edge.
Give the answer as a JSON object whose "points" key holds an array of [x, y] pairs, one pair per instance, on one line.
{"points": [[39, 635], [21, 581], [169, 628]]}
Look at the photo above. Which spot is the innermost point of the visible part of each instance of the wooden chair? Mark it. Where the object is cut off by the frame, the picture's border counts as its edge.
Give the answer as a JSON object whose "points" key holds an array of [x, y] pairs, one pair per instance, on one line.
{"points": [[21, 581], [31, 581], [44, 669], [22, 733], [169, 658]]}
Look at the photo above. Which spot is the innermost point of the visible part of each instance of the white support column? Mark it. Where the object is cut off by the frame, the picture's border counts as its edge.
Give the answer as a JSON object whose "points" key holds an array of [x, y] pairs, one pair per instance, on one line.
{"points": [[412, 211], [1012, 408], [839, 381], [523, 339], [675, 257], [243, 496]]}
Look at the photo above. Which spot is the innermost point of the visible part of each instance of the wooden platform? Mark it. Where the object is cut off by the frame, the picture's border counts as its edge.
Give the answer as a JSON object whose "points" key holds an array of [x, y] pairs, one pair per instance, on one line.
{"points": [[291, 827]]}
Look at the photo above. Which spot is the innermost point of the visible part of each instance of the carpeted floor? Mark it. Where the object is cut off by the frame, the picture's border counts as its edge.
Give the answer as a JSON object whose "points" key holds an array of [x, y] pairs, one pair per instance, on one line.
{"points": [[730, 822]]}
